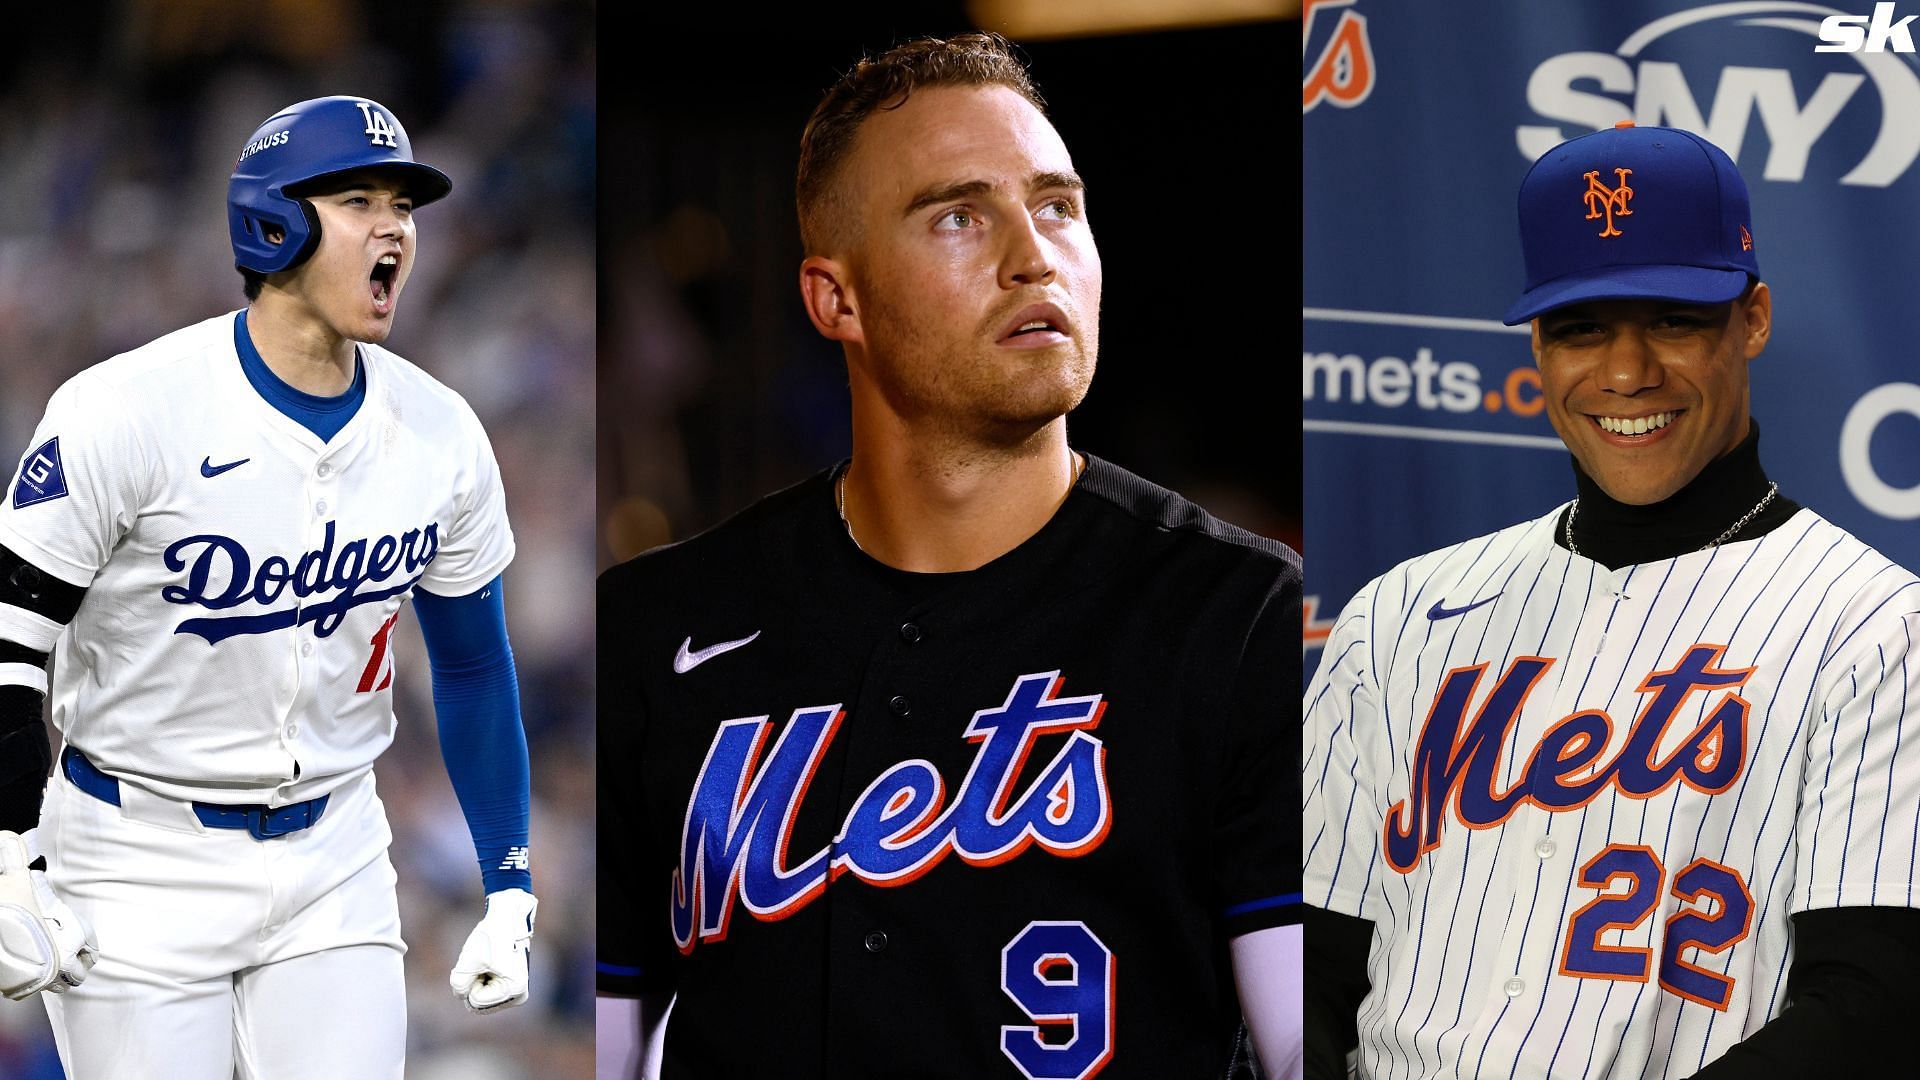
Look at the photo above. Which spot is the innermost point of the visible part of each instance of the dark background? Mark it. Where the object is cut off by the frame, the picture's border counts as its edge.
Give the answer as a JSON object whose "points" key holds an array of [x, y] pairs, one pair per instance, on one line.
{"points": [[714, 388]]}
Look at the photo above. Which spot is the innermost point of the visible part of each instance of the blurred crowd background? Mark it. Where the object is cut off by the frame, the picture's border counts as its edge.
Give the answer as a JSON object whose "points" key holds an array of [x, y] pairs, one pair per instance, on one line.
{"points": [[715, 389], [119, 124]]}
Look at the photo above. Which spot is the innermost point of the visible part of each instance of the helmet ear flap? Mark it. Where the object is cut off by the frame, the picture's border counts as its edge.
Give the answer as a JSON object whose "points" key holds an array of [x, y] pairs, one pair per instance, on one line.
{"points": [[252, 225], [312, 239]]}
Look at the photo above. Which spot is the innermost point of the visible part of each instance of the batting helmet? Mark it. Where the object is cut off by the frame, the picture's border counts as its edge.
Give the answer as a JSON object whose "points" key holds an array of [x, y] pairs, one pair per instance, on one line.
{"points": [[303, 143]]}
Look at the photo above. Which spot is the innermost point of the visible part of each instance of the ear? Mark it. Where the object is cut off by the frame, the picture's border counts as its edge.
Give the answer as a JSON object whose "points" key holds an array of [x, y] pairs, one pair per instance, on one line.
{"points": [[1758, 308], [828, 296], [1533, 334]]}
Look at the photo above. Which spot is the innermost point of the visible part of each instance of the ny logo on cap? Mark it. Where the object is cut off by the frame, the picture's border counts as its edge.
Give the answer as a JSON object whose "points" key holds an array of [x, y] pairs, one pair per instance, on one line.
{"points": [[1610, 201], [379, 132]]}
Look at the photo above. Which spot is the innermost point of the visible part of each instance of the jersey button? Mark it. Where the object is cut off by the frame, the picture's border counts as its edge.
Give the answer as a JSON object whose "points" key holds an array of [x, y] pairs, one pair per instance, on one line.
{"points": [[1515, 988], [320, 507], [306, 648], [909, 633], [292, 730], [1545, 848], [876, 942], [325, 470], [900, 705]]}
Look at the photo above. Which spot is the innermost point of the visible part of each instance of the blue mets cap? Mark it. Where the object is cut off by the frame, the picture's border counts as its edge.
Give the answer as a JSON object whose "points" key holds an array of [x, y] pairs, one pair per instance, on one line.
{"points": [[1633, 213]]}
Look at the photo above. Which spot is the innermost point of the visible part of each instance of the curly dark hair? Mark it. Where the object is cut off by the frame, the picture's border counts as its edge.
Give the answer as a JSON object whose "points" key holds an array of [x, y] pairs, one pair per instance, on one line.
{"points": [[885, 82]]}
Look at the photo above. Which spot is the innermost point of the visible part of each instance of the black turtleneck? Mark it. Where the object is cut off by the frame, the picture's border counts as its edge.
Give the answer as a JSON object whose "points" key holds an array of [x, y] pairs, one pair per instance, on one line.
{"points": [[1616, 534]]}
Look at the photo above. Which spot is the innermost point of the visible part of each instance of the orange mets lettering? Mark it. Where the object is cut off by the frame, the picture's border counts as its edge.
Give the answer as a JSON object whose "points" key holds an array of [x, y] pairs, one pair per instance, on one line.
{"points": [[1610, 201], [1343, 72], [1457, 764], [1315, 630]]}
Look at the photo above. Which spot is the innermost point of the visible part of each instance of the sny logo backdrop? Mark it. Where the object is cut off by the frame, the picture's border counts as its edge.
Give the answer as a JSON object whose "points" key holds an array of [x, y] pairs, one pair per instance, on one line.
{"points": [[1424, 422]]}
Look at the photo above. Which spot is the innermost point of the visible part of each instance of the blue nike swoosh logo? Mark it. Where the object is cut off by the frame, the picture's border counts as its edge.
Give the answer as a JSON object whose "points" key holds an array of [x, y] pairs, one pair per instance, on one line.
{"points": [[1439, 610], [209, 470]]}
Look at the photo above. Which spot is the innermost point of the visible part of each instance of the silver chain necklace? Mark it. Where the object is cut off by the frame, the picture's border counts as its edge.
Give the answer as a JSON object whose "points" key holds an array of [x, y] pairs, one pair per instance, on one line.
{"points": [[840, 493], [1772, 490]]}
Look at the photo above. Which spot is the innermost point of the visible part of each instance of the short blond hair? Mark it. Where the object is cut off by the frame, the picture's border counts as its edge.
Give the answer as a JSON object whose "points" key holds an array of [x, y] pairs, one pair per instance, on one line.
{"points": [[885, 82]]}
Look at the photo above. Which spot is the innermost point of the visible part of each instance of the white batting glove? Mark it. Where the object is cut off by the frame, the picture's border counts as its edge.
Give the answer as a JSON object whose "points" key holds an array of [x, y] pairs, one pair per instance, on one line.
{"points": [[43, 944], [492, 970]]}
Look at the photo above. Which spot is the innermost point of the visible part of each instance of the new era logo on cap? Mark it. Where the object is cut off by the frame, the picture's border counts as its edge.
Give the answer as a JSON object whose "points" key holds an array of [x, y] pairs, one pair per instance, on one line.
{"points": [[1672, 222]]}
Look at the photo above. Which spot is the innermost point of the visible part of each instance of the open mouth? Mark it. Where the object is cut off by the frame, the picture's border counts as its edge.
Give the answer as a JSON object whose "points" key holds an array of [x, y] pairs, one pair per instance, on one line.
{"points": [[1037, 326], [381, 282], [1639, 425]]}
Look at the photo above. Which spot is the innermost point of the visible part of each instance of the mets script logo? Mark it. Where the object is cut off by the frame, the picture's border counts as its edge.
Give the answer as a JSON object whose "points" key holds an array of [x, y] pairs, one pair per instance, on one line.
{"points": [[1342, 72], [740, 819], [1602, 200], [1457, 764], [221, 574]]}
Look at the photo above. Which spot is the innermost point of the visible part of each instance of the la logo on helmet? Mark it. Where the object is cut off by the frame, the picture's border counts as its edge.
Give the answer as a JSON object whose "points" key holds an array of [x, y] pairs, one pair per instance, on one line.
{"points": [[379, 132]]}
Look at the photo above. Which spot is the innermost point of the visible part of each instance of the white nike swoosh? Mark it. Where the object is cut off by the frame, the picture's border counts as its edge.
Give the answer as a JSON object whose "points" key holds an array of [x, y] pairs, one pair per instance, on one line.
{"points": [[687, 659]]}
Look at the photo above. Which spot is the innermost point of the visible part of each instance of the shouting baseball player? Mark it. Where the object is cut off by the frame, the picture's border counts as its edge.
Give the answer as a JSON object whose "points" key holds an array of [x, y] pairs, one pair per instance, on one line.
{"points": [[965, 758], [214, 534], [1618, 792]]}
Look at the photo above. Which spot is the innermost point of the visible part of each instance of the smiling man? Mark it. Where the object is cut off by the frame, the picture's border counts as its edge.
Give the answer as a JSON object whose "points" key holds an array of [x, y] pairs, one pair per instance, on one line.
{"points": [[1620, 792], [968, 757], [215, 534]]}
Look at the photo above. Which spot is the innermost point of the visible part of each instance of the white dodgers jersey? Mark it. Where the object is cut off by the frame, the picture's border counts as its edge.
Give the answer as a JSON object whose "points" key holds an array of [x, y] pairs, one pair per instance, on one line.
{"points": [[1580, 804], [242, 576]]}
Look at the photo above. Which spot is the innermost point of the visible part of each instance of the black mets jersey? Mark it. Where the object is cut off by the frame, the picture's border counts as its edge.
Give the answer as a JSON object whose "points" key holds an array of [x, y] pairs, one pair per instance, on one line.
{"points": [[996, 823]]}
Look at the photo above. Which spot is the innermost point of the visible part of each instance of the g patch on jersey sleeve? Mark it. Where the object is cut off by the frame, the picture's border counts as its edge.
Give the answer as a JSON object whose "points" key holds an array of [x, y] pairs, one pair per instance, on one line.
{"points": [[41, 478]]}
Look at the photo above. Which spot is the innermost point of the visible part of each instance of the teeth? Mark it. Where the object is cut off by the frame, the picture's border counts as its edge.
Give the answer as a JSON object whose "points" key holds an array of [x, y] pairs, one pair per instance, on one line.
{"points": [[389, 260], [1037, 324], [1638, 426]]}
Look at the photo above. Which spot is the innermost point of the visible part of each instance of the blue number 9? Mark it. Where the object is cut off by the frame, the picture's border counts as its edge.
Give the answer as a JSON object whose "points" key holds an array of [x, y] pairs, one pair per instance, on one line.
{"points": [[1062, 977]]}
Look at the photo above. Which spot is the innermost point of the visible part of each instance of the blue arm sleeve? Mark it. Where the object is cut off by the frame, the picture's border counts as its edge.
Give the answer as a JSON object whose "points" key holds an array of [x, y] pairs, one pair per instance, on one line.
{"points": [[476, 700]]}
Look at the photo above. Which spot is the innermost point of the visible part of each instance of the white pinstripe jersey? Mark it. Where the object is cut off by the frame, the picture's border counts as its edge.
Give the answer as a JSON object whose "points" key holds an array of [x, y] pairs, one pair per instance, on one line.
{"points": [[242, 575], [1627, 781]]}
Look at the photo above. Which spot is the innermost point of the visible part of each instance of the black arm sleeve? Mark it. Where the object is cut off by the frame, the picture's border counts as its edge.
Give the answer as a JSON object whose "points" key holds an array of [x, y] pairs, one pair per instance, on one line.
{"points": [[1850, 994], [1336, 983], [24, 754]]}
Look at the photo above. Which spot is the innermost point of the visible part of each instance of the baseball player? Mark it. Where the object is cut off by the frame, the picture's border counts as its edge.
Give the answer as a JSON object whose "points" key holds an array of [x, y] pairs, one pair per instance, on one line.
{"points": [[1618, 792], [964, 758], [214, 535]]}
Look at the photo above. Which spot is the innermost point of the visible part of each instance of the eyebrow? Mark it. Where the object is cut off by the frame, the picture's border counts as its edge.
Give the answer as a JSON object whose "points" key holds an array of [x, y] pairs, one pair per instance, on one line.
{"points": [[967, 189]]}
